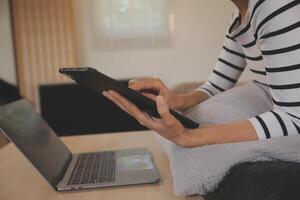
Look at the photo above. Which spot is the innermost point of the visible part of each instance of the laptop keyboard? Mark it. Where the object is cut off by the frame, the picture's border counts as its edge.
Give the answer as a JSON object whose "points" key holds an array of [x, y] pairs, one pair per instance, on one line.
{"points": [[94, 168]]}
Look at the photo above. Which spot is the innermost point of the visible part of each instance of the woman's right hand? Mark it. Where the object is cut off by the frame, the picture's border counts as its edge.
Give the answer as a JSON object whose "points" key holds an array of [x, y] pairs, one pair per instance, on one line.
{"points": [[153, 87]]}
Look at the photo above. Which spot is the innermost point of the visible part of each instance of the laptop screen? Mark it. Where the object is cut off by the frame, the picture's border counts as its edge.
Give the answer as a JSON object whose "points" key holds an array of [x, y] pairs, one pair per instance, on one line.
{"points": [[36, 140]]}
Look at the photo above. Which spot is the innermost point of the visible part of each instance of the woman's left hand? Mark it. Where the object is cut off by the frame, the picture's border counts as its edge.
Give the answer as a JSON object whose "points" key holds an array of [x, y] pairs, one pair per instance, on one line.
{"points": [[167, 126]]}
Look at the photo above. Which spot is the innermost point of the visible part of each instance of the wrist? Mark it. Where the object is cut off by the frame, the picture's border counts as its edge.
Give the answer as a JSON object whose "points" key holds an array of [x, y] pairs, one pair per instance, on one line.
{"points": [[192, 138], [188, 100], [182, 101], [175, 102]]}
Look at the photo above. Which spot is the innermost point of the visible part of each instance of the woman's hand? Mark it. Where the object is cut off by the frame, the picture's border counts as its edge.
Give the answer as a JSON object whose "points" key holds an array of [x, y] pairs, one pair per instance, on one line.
{"points": [[152, 88], [168, 126]]}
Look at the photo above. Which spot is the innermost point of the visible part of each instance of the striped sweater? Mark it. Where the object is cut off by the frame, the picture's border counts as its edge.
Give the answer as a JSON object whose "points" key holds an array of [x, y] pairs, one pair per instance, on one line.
{"points": [[268, 42]]}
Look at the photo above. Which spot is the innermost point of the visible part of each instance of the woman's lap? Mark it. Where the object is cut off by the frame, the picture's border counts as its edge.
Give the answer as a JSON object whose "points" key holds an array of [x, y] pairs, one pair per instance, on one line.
{"points": [[199, 170]]}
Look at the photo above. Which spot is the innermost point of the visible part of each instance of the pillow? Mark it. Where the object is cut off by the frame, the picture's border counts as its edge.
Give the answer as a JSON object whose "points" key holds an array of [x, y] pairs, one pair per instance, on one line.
{"points": [[199, 170], [262, 180]]}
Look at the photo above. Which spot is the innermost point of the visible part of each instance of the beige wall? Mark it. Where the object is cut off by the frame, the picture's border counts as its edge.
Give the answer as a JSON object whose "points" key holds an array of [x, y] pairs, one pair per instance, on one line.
{"points": [[199, 30], [7, 62]]}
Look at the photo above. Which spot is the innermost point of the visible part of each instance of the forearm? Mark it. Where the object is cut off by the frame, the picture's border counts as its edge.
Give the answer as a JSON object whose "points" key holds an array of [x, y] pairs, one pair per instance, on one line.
{"points": [[188, 100], [223, 133]]}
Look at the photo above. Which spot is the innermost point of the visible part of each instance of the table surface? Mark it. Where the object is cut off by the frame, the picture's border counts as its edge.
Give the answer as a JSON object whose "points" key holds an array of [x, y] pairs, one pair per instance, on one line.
{"points": [[20, 180]]}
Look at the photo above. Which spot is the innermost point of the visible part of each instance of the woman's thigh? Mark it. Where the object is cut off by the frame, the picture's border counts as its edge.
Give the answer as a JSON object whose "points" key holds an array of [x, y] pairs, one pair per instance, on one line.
{"points": [[238, 103]]}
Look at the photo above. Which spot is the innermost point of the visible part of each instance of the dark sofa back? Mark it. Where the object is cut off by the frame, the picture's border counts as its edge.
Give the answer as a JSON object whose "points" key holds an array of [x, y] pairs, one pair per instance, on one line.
{"points": [[73, 110]]}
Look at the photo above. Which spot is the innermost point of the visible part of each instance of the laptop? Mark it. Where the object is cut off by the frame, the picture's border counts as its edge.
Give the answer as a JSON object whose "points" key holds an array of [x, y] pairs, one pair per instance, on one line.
{"points": [[66, 171]]}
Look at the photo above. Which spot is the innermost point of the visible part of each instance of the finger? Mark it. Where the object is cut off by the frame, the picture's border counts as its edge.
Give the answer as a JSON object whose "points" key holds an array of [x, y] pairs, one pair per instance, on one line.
{"points": [[130, 107], [144, 84], [133, 81], [127, 105], [153, 123], [116, 101], [150, 96], [163, 110]]}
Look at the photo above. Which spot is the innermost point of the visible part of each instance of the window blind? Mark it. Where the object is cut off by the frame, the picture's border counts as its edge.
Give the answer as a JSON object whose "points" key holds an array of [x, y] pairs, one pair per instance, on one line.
{"points": [[126, 22]]}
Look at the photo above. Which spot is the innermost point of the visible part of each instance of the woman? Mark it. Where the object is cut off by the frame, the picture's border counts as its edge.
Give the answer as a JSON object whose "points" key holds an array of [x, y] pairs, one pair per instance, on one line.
{"points": [[265, 35]]}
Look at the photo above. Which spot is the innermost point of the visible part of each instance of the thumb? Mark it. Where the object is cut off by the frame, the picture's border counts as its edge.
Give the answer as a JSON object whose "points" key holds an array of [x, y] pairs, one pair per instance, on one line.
{"points": [[163, 110]]}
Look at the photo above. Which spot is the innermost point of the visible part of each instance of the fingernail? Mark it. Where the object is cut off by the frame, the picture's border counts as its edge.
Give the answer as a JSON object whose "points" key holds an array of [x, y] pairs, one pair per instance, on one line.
{"points": [[131, 82], [104, 93]]}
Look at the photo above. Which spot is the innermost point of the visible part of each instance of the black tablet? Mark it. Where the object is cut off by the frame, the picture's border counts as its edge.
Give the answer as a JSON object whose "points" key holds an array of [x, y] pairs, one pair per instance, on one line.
{"points": [[93, 79]]}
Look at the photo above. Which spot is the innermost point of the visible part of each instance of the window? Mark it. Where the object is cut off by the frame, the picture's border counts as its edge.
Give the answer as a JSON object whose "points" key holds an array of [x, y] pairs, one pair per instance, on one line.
{"points": [[128, 22]]}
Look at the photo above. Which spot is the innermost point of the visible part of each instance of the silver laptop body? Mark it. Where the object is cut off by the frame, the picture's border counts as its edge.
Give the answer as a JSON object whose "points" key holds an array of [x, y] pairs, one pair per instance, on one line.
{"points": [[66, 171]]}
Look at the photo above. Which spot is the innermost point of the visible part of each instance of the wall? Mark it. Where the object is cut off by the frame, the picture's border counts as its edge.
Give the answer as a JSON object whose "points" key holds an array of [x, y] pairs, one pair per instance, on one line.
{"points": [[198, 36], [44, 38], [7, 61]]}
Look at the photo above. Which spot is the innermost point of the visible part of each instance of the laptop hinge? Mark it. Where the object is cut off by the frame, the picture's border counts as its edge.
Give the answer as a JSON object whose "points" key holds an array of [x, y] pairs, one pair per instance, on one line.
{"points": [[63, 170]]}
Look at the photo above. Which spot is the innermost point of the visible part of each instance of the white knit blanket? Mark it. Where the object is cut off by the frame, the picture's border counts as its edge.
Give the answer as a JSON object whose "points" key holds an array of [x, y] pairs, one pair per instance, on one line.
{"points": [[199, 170]]}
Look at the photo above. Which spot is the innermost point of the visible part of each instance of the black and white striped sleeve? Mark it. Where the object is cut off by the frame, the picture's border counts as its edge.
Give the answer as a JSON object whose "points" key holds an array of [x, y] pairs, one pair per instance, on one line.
{"points": [[228, 69], [277, 28]]}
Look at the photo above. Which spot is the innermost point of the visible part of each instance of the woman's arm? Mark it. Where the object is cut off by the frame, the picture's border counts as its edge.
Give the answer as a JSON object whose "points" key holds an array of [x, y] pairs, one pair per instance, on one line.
{"points": [[170, 128], [188, 100], [228, 69], [223, 133]]}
